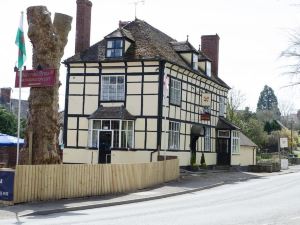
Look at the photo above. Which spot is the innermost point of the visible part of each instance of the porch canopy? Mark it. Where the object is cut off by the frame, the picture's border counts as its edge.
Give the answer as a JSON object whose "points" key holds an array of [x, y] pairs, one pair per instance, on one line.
{"points": [[224, 124], [9, 141], [112, 113]]}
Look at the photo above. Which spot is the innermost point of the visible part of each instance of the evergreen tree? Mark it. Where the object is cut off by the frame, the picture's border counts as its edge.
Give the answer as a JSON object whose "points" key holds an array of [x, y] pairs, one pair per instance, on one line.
{"points": [[268, 103]]}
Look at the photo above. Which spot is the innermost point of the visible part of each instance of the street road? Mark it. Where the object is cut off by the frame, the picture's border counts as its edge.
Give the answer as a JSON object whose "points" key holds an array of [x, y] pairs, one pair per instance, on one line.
{"points": [[273, 200]]}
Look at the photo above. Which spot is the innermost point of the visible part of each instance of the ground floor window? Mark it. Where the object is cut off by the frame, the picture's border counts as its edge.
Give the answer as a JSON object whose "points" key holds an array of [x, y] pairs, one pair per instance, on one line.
{"points": [[207, 140], [235, 142], [121, 132], [174, 135]]}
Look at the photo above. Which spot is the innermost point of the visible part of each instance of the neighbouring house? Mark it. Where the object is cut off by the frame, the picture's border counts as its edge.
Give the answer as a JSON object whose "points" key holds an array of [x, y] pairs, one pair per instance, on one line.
{"points": [[247, 153], [114, 104], [12, 105]]}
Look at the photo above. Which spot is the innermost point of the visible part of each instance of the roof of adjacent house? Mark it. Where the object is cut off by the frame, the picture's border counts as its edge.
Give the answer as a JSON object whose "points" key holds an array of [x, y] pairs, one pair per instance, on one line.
{"points": [[245, 141], [112, 113], [148, 43]]}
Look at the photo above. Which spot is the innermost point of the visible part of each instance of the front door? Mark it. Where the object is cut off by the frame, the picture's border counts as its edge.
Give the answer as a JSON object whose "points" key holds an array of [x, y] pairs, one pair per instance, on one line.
{"points": [[223, 151], [104, 146], [194, 139]]}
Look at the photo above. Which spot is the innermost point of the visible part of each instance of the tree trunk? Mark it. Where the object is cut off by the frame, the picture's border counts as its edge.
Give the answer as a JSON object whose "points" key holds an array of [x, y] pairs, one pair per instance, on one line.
{"points": [[48, 40]]}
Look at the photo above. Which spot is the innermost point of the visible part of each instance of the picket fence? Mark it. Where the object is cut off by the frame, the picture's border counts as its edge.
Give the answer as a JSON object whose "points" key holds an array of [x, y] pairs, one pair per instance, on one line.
{"points": [[52, 182]]}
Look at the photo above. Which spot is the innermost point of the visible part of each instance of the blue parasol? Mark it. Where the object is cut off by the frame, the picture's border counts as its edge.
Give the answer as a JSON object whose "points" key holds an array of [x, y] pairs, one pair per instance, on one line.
{"points": [[7, 140]]}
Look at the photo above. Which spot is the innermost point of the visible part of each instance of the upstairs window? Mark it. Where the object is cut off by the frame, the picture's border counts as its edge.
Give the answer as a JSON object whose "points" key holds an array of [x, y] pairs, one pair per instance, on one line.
{"points": [[114, 48], [208, 68], [175, 92], [222, 106], [195, 62], [113, 88]]}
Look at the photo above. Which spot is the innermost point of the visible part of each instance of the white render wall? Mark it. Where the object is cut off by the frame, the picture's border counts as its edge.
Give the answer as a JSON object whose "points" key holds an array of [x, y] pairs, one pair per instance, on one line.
{"points": [[83, 100]]}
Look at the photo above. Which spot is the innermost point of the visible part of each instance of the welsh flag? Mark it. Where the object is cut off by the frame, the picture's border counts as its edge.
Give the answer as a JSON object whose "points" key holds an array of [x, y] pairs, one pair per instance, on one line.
{"points": [[20, 42]]}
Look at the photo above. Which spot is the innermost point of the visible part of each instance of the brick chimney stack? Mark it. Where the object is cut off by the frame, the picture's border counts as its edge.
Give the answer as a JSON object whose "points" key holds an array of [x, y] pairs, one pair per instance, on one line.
{"points": [[5, 95], [210, 47], [83, 25]]}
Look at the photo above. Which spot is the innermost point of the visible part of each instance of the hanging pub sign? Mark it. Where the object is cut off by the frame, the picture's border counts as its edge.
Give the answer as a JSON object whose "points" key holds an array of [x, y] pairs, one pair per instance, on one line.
{"points": [[205, 116], [206, 99], [36, 78], [206, 103]]}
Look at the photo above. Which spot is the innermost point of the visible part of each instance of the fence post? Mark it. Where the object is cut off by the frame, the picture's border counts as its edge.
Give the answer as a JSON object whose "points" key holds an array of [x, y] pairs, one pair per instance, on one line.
{"points": [[30, 148]]}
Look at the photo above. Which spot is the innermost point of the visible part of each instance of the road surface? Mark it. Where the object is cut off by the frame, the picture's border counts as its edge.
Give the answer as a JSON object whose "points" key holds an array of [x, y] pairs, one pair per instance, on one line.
{"points": [[273, 200]]}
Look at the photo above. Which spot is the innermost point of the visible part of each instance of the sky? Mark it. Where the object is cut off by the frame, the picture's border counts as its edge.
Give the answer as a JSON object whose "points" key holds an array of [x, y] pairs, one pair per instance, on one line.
{"points": [[253, 33]]}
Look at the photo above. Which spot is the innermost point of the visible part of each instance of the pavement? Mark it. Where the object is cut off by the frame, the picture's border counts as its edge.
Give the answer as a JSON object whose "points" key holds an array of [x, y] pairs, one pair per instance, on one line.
{"points": [[188, 182]]}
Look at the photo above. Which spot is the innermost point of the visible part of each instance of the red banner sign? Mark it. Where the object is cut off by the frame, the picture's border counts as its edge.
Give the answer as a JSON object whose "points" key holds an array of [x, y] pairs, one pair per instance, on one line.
{"points": [[36, 78], [205, 116]]}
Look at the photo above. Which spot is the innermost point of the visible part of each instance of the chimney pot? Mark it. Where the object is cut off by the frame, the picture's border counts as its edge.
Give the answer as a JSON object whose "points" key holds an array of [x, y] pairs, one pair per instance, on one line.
{"points": [[5, 95], [123, 23]]}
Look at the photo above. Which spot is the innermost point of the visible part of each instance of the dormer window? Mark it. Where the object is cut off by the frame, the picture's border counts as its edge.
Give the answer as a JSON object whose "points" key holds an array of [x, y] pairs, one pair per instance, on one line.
{"points": [[195, 62], [114, 48]]}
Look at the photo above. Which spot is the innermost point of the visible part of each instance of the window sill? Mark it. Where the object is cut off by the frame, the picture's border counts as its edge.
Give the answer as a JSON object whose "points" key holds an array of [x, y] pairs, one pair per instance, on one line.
{"points": [[112, 101], [178, 105], [235, 153]]}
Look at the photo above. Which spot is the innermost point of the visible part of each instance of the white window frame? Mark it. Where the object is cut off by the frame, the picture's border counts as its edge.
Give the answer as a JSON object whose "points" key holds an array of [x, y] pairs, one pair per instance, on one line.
{"points": [[174, 135], [112, 95], [127, 134], [235, 142], [208, 68], [220, 135], [95, 131], [195, 61], [207, 140], [222, 106], [112, 50], [175, 92]]}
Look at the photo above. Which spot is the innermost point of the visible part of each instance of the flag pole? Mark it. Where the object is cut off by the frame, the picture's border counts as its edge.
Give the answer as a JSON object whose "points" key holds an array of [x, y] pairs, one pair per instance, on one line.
{"points": [[19, 115], [20, 42]]}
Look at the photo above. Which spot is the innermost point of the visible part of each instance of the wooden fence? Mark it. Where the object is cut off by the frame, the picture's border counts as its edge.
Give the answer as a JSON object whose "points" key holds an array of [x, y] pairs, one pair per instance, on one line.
{"points": [[50, 182]]}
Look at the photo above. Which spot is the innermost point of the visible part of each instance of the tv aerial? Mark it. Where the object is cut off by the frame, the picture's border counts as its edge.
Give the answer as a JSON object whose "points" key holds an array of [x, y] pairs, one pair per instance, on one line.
{"points": [[136, 3]]}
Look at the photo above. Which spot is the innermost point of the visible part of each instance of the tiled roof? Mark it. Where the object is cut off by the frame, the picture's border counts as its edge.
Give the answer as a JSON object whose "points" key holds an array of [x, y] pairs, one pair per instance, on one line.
{"points": [[149, 43], [245, 141], [112, 113], [120, 32], [202, 56], [183, 46], [226, 124]]}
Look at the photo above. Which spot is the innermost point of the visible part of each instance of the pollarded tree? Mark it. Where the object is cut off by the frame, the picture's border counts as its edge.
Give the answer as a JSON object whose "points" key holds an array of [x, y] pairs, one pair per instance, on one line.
{"points": [[268, 104], [48, 41]]}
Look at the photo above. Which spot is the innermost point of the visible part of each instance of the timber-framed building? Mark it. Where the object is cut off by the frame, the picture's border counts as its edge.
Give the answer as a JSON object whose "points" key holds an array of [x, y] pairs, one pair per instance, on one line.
{"points": [[114, 106]]}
